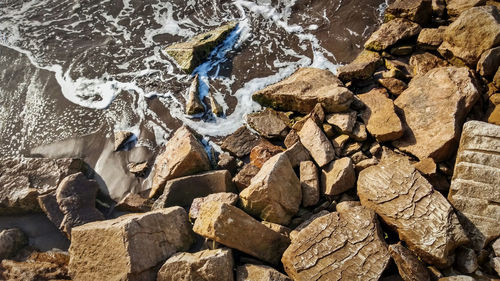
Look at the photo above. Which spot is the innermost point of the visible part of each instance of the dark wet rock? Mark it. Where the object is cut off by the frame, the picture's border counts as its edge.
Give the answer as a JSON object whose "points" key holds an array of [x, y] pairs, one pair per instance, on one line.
{"points": [[253, 272], [393, 85], [263, 152], [361, 68], [457, 7], [343, 121], [489, 62], [138, 169], [11, 241], [316, 142], [269, 123], [391, 33], [398, 68], [241, 142], [193, 103], [309, 181], [134, 203], [419, 11], [245, 175], [122, 139], [409, 266], [421, 63], [297, 153], [430, 38], [51, 265], [338, 177], [222, 197]]}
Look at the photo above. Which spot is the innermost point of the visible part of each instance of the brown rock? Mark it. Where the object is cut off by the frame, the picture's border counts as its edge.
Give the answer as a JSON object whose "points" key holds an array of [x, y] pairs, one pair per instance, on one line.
{"points": [[241, 142], [262, 152], [338, 177], [496, 79], [390, 33], [283, 230], [294, 233], [343, 121], [407, 202], [433, 108], [421, 63], [222, 197], [184, 155], [297, 153], [309, 182], [252, 272], [303, 90], [489, 62], [318, 145], [496, 247], [401, 68], [380, 117], [134, 203], [121, 139], [329, 131], [11, 241], [48, 204], [457, 278], [133, 244], [457, 7], [430, 38], [269, 123], [351, 235], [361, 68], [51, 265], [359, 132], [466, 260], [339, 143], [216, 108], [438, 8], [496, 264], [427, 167], [193, 103], [139, 169], [243, 178], [317, 115], [419, 11], [409, 266], [226, 224], [401, 50], [393, 85], [365, 164], [227, 162], [291, 138], [350, 149]]}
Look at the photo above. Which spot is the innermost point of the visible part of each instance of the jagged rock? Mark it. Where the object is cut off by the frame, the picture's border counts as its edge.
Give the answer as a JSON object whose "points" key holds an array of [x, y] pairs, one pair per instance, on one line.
{"points": [[329, 131], [401, 68], [358, 157], [433, 109], [489, 62], [243, 178], [234, 228], [216, 108], [338, 177], [227, 162], [365, 164], [473, 32], [317, 114], [496, 264], [11, 241], [207, 265], [252, 272], [350, 149], [309, 181], [262, 152], [359, 132], [430, 38], [283, 230], [134, 203], [297, 153], [457, 7], [184, 155], [466, 260], [474, 187], [193, 103], [241, 142], [380, 117], [419, 11], [390, 33], [496, 78], [393, 85], [339, 143], [269, 123], [351, 235], [23, 179], [361, 68], [406, 201], [222, 197], [421, 63], [264, 196], [409, 266], [51, 265], [121, 139], [48, 204], [182, 191], [316, 142], [344, 121], [303, 90], [291, 138], [135, 244], [188, 55], [139, 169]]}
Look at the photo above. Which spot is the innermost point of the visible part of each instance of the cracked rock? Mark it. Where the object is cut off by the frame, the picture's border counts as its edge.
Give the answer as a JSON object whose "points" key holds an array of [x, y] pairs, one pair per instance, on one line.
{"points": [[316, 142], [409, 266]]}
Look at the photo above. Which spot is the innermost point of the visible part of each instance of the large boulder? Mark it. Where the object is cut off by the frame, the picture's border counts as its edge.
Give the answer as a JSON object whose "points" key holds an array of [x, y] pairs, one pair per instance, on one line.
{"points": [[345, 245], [474, 188], [11, 241], [419, 11], [297, 153], [129, 247], [457, 7], [241, 142], [184, 155], [406, 201], [430, 38], [253, 272], [304, 89], [269, 123], [433, 109], [317, 143], [392, 32]]}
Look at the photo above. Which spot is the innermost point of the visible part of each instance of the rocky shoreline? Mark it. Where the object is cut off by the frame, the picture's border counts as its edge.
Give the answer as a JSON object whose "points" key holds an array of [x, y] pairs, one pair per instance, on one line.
{"points": [[389, 170]]}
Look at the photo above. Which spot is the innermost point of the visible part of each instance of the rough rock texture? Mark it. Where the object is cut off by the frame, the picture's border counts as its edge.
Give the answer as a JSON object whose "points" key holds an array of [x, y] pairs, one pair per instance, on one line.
{"points": [[390, 33], [134, 203], [309, 181], [345, 245], [226, 224], [190, 54], [475, 31], [466, 260], [457, 278], [227, 162], [361, 68], [193, 103], [138, 169], [182, 191], [241, 142], [317, 114], [269, 123], [263, 152], [419, 11], [207, 265], [380, 117], [339, 176], [51, 265], [359, 132], [409, 266], [393, 85], [48, 204], [297, 153], [421, 63], [121, 139], [433, 109], [344, 121], [245, 175], [489, 62], [456, 7], [474, 188], [496, 247], [430, 38], [406, 201], [215, 106], [222, 197], [316, 142], [11, 240], [304, 89], [274, 194], [252, 272], [128, 247], [184, 155]]}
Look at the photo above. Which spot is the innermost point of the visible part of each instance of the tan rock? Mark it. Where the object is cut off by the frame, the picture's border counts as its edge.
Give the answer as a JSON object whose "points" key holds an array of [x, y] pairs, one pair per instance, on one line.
{"points": [[365, 164], [317, 114], [316, 142], [269, 123], [419, 11], [421, 63], [121, 139], [234, 228], [291, 138], [283, 230], [359, 132], [215, 106], [496, 247], [474, 187], [430, 38], [295, 232], [244, 176], [134, 203], [51, 265], [303, 90], [426, 167], [222, 197], [393, 85], [262, 152], [338, 177], [184, 155], [241, 142], [457, 7], [351, 235], [390, 33], [361, 68], [409, 266], [252, 272], [496, 264], [309, 181], [193, 103], [339, 143], [134, 244], [489, 62], [404, 199], [343, 121], [297, 153], [457, 278], [433, 108], [138, 169], [350, 149]]}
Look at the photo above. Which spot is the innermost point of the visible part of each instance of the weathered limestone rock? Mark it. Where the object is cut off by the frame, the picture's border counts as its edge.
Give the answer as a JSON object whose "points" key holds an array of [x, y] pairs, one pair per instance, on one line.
{"points": [[11, 241], [207, 265], [365, 164], [243, 178], [404, 199], [457, 278], [241, 142], [264, 196], [291, 138], [188, 55], [304, 89], [234, 228], [361, 68], [134, 203], [182, 191], [421, 63], [222, 197], [193, 103], [283, 230], [318, 145], [309, 181], [252, 272], [433, 109], [393, 85], [262, 152], [475, 31], [419, 11], [350, 235], [489, 62], [474, 188], [409, 266], [269, 123], [456, 7], [344, 121], [390, 33], [430, 38], [338, 177], [380, 117], [496, 264], [51, 265], [121, 139], [128, 247], [297, 153], [184, 155]]}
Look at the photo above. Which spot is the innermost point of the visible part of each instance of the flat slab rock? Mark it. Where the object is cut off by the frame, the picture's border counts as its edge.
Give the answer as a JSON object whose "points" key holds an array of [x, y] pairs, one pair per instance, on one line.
{"points": [[269, 123], [390, 33], [345, 245], [419, 11], [241, 142]]}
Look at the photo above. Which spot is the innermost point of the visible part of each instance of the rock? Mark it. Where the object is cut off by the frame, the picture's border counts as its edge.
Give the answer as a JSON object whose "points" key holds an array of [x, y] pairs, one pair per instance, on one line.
{"points": [[427, 167], [303, 90], [350, 149], [430, 38], [184, 155], [316, 142], [297, 153], [361, 68], [359, 132], [473, 32], [222, 197], [317, 115], [188, 55], [339, 143], [338, 177], [51, 265], [365, 164], [294, 233], [421, 63], [226, 224], [401, 68], [216, 108], [402, 50], [291, 138], [243, 178], [11, 241], [466, 260], [48, 204], [241, 142], [262, 152], [329, 131], [138, 169], [391, 33], [380, 117], [351, 235], [283, 230], [438, 8], [135, 244], [269, 123], [474, 186], [252, 272], [409, 266], [358, 157], [309, 181], [134, 203], [419, 11], [496, 247], [23, 179], [496, 79], [433, 109], [457, 7], [489, 62], [393, 85], [457, 278], [496, 264], [182, 191], [207, 265], [264, 196], [121, 139], [193, 103], [343, 121], [227, 162], [404, 199]]}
